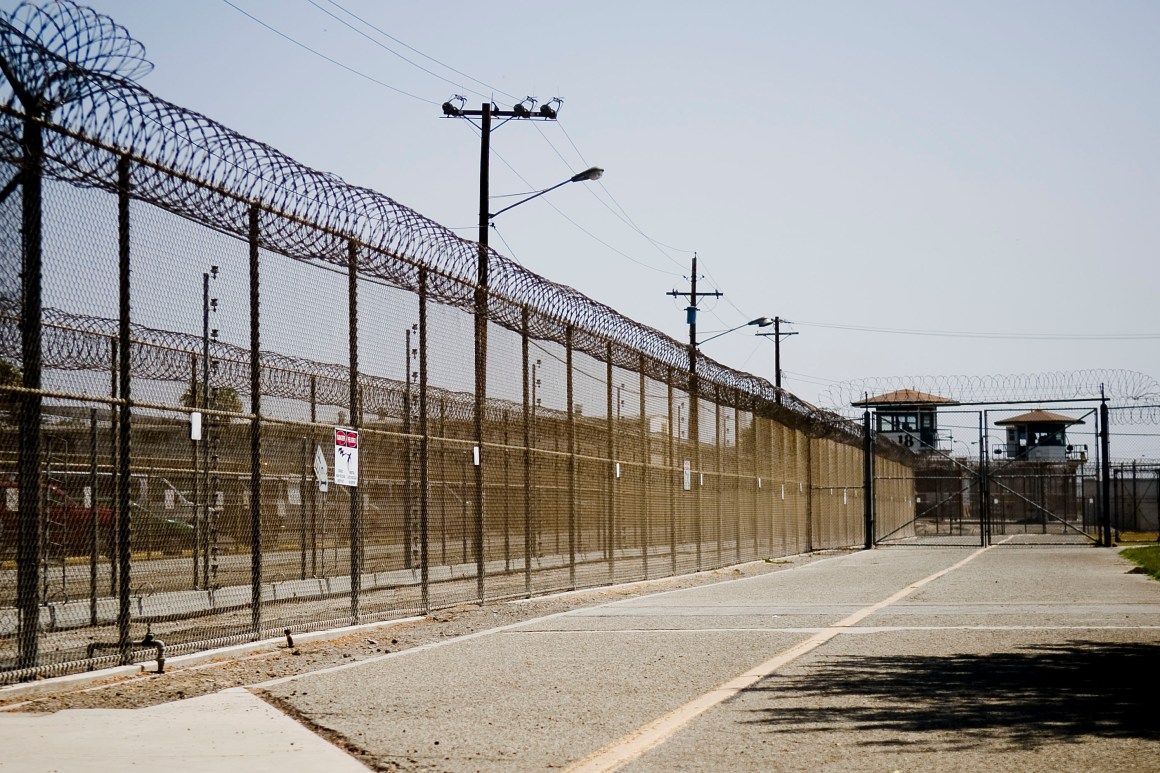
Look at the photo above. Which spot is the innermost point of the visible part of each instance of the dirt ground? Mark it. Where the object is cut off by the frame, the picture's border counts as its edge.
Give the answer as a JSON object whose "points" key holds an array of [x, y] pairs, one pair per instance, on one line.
{"points": [[178, 683]]}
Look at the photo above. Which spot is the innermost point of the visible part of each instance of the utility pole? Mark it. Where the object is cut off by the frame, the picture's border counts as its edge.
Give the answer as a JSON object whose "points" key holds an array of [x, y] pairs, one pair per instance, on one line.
{"points": [[694, 414], [777, 336], [486, 113], [691, 313]]}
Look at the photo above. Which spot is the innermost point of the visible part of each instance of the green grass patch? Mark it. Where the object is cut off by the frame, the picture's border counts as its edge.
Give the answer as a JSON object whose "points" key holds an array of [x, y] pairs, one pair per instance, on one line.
{"points": [[1148, 558]]}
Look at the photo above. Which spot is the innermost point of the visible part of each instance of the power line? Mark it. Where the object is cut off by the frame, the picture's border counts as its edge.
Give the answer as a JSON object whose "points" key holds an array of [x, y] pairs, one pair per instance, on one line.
{"points": [[387, 48], [622, 214], [1013, 336], [573, 222], [420, 53], [321, 55]]}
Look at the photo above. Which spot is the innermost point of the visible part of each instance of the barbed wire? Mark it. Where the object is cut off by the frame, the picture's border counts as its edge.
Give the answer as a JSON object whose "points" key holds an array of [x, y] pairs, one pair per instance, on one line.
{"points": [[1134, 394], [79, 65]]}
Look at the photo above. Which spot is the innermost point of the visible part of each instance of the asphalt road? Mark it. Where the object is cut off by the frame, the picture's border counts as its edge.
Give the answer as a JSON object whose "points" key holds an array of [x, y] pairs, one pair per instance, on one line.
{"points": [[895, 659]]}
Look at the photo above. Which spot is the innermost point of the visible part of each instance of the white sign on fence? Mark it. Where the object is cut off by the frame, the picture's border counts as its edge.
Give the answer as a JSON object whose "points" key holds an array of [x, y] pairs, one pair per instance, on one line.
{"points": [[345, 456], [687, 478], [321, 471]]}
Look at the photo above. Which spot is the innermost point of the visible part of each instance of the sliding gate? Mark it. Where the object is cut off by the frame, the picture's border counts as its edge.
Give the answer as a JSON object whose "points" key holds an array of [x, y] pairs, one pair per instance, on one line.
{"points": [[985, 491]]}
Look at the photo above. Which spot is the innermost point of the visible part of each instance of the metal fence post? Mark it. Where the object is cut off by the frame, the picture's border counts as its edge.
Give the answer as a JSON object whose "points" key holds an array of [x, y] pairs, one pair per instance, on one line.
{"points": [[28, 538], [645, 473], [114, 448], [809, 486], [355, 410], [507, 504], [424, 450], [197, 526], [303, 485], [1106, 472], [697, 482], [124, 426], [527, 398], [672, 481], [94, 510], [867, 481], [255, 432], [408, 492], [573, 476], [737, 473], [610, 545]]}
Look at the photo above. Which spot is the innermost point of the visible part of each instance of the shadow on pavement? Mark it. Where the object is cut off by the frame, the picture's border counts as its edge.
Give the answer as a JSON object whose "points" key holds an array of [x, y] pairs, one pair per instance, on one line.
{"points": [[1028, 698]]}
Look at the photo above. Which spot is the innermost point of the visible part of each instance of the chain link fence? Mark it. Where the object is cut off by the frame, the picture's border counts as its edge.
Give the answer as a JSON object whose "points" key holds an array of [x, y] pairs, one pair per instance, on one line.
{"points": [[194, 329]]}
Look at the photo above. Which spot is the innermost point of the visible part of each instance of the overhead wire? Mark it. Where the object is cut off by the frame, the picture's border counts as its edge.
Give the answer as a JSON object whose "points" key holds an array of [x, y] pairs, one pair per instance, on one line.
{"points": [[321, 55], [968, 334], [560, 212], [386, 34], [387, 48], [621, 215]]}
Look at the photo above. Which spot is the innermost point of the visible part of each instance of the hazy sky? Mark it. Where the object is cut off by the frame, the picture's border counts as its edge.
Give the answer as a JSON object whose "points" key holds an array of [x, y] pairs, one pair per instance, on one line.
{"points": [[983, 167]]}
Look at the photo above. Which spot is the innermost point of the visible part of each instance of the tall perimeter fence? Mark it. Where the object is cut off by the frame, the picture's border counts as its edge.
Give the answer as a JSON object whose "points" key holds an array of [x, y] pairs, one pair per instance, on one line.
{"points": [[187, 320]]}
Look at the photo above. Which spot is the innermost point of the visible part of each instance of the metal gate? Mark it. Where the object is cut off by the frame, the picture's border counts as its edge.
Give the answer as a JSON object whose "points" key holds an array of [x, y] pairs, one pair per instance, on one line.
{"points": [[998, 489]]}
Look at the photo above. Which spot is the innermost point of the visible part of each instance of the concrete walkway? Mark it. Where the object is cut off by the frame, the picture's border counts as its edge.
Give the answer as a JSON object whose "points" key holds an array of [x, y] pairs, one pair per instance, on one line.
{"points": [[894, 659], [229, 732]]}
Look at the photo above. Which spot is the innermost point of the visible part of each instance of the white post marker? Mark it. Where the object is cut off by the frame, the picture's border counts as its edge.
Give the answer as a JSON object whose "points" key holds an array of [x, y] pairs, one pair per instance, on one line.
{"points": [[321, 471], [345, 456], [687, 475]]}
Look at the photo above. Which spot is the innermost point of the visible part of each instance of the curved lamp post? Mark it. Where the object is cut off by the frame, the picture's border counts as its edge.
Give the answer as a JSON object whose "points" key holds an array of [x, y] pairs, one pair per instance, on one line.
{"points": [[759, 322], [592, 173]]}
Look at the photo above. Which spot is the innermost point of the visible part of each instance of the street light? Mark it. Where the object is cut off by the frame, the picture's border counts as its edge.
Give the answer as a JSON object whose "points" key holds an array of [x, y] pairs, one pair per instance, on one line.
{"points": [[759, 322], [589, 174]]}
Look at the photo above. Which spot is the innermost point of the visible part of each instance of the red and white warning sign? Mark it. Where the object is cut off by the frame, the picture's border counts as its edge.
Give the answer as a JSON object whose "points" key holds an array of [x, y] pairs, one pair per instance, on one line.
{"points": [[345, 456]]}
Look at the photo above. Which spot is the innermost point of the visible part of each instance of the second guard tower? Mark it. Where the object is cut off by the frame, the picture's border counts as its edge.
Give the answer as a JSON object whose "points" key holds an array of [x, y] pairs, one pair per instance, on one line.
{"points": [[1038, 436]]}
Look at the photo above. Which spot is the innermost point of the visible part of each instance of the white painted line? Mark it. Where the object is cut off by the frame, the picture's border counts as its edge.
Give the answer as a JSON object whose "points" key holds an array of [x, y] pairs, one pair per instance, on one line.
{"points": [[847, 631], [631, 746]]}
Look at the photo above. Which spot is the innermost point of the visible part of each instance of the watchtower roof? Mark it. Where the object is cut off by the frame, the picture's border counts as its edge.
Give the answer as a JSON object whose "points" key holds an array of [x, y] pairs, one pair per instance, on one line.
{"points": [[1040, 417], [905, 397]]}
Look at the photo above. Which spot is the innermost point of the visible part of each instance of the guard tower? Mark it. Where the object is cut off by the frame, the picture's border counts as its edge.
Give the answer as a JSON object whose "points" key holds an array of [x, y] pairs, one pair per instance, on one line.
{"points": [[1038, 436], [908, 417]]}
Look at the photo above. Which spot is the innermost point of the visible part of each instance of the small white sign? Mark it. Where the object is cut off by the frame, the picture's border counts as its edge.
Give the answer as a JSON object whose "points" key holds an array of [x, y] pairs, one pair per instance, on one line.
{"points": [[321, 471], [618, 469], [687, 475], [12, 499], [475, 455], [195, 425], [345, 456], [170, 499], [783, 491], [88, 496]]}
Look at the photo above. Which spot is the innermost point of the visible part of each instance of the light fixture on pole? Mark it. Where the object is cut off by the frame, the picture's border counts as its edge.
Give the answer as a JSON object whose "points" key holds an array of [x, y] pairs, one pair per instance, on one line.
{"points": [[759, 322], [453, 108], [592, 173]]}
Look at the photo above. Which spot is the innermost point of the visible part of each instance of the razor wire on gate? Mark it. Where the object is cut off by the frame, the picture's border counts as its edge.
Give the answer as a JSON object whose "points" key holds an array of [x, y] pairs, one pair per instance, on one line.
{"points": [[197, 333]]}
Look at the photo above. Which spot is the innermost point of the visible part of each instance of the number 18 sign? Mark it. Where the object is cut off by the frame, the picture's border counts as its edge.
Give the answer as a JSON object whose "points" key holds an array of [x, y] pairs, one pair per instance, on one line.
{"points": [[345, 456]]}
